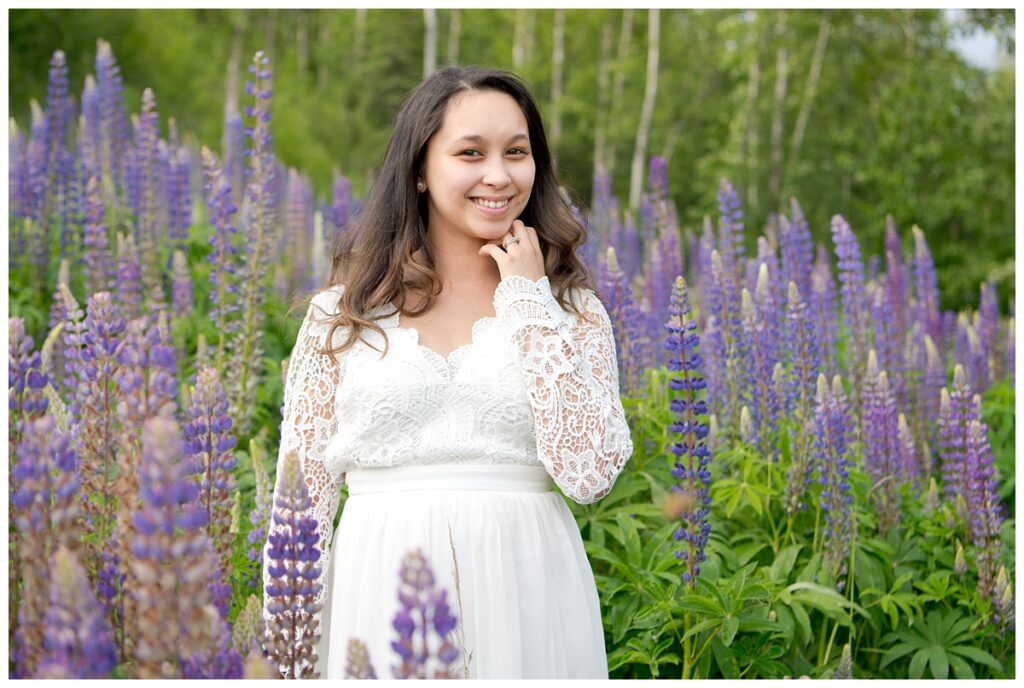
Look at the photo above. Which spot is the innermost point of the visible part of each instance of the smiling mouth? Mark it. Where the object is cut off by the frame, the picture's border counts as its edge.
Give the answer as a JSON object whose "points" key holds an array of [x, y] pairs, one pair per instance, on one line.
{"points": [[493, 205]]}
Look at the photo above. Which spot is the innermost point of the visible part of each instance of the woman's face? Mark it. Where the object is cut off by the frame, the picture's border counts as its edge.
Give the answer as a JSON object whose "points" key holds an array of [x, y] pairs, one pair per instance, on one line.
{"points": [[481, 153]]}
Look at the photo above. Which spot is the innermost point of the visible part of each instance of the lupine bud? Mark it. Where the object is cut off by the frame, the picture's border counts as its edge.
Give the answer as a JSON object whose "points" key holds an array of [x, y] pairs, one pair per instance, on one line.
{"points": [[357, 661], [248, 628], [1002, 600], [845, 668], [77, 638], [181, 290], [833, 427], [959, 562]]}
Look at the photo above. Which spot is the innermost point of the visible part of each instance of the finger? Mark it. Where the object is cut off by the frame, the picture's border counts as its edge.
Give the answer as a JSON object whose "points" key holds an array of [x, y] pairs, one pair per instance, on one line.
{"points": [[517, 226], [531, 236], [494, 251]]}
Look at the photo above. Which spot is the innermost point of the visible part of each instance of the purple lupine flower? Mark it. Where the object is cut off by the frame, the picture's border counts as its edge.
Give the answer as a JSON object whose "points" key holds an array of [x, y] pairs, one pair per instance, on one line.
{"points": [[357, 661], [54, 132], [927, 391], [298, 231], [927, 290], [424, 609], [90, 133], [851, 276], [179, 197], [956, 411], [262, 198], [129, 277], [691, 452], [803, 352], [730, 230], [658, 177], [758, 388], [909, 463], [822, 301], [797, 248], [233, 151], [844, 670], [615, 292], [981, 494], [723, 345], [880, 435], [896, 279], [988, 329], [114, 124], [259, 517], [148, 378], [768, 300], [70, 190], [341, 205], [25, 377], [705, 246], [181, 289], [888, 342], [968, 349], [209, 438], [293, 556], [99, 264], [77, 637], [150, 234], [19, 183], [630, 258], [47, 511], [224, 272], [179, 631], [110, 584], [833, 425]]}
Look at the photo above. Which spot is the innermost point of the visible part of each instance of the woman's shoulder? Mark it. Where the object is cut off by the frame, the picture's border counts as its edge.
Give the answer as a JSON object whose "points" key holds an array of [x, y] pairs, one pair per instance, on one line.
{"points": [[324, 305]]}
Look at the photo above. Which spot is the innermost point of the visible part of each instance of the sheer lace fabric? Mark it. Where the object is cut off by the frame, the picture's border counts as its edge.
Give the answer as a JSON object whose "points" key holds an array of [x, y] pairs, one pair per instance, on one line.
{"points": [[535, 386]]}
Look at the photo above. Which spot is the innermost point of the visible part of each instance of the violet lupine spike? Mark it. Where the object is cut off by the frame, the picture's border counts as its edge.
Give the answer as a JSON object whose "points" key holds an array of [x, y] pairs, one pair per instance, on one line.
{"points": [[844, 670], [851, 277], [262, 199], [114, 124], [880, 435], [833, 425], [181, 289], [297, 231], [758, 386], [259, 517], [424, 609], [25, 378], [210, 444], [730, 230], [180, 197], [896, 279], [909, 463], [705, 246], [768, 300], [70, 191], [77, 638], [803, 352], [129, 277], [99, 264], [223, 258], [956, 411], [90, 132], [690, 450], [981, 493], [341, 204], [822, 301], [626, 318], [889, 344], [150, 236], [53, 142], [294, 571], [177, 630], [802, 248], [988, 329], [233, 151], [19, 191], [927, 290], [46, 516], [723, 344], [110, 586], [248, 627], [357, 661]]}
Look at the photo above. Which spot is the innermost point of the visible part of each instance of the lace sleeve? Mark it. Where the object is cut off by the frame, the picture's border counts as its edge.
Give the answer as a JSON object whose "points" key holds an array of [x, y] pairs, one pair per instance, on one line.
{"points": [[310, 422], [572, 379]]}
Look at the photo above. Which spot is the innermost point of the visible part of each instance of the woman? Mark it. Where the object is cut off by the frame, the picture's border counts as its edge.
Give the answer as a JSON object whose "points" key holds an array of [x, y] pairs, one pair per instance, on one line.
{"points": [[456, 365]]}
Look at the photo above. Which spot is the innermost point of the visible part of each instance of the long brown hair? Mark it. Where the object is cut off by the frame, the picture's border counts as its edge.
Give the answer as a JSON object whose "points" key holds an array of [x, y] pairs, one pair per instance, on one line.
{"points": [[373, 256]]}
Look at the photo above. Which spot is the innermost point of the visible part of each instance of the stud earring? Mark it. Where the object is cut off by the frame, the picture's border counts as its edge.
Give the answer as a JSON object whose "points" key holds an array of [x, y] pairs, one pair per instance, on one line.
{"points": [[421, 187]]}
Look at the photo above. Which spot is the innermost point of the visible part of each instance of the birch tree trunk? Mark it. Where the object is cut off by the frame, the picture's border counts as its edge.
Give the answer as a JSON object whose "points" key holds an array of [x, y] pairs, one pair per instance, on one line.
{"points": [[650, 92], [429, 41], [779, 109], [625, 36], [522, 39], [454, 28], [824, 28], [557, 65], [603, 77]]}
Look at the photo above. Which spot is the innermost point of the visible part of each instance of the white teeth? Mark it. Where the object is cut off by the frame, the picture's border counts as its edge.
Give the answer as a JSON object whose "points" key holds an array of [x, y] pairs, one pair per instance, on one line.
{"points": [[491, 204]]}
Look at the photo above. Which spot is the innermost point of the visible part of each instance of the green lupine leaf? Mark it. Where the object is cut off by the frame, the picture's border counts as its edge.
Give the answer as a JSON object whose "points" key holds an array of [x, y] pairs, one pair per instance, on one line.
{"points": [[725, 659], [729, 628], [978, 655], [961, 669], [784, 561], [938, 663], [631, 539], [917, 664]]}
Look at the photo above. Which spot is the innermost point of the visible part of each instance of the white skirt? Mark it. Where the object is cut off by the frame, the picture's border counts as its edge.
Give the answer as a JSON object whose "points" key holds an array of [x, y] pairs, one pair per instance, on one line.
{"points": [[529, 606]]}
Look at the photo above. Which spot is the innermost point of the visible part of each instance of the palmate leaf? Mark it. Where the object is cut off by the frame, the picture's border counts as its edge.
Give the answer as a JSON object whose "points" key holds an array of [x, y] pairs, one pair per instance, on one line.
{"points": [[936, 645]]}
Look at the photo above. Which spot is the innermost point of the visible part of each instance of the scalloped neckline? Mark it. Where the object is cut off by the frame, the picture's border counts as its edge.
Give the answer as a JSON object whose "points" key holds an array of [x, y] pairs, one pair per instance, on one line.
{"points": [[448, 360]]}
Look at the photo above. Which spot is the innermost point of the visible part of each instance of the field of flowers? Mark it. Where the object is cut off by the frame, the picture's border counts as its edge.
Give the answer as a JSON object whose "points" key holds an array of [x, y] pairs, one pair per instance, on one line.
{"points": [[822, 485]]}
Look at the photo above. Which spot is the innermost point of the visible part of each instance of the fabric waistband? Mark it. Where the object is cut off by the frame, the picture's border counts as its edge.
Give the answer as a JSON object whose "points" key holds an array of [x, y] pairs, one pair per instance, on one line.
{"points": [[493, 478]]}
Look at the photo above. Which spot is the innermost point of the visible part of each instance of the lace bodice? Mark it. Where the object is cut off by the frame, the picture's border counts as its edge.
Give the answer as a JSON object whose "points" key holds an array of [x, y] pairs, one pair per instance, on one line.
{"points": [[536, 386]]}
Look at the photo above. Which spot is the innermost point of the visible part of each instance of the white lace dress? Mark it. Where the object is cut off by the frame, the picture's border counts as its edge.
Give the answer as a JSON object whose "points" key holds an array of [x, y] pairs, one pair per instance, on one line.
{"points": [[455, 456]]}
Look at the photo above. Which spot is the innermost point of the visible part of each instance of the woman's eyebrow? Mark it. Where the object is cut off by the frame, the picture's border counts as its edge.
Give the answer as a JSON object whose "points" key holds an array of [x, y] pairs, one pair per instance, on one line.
{"points": [[478, 138]]}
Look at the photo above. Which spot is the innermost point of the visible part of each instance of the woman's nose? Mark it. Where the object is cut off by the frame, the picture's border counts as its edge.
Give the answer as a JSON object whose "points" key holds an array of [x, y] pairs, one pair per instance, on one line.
{"points": [[497, 174]]}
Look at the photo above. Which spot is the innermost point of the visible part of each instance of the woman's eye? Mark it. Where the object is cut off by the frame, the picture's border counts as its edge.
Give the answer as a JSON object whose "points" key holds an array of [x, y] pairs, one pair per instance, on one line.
{"points": [[522, 151], [468, 151]]}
